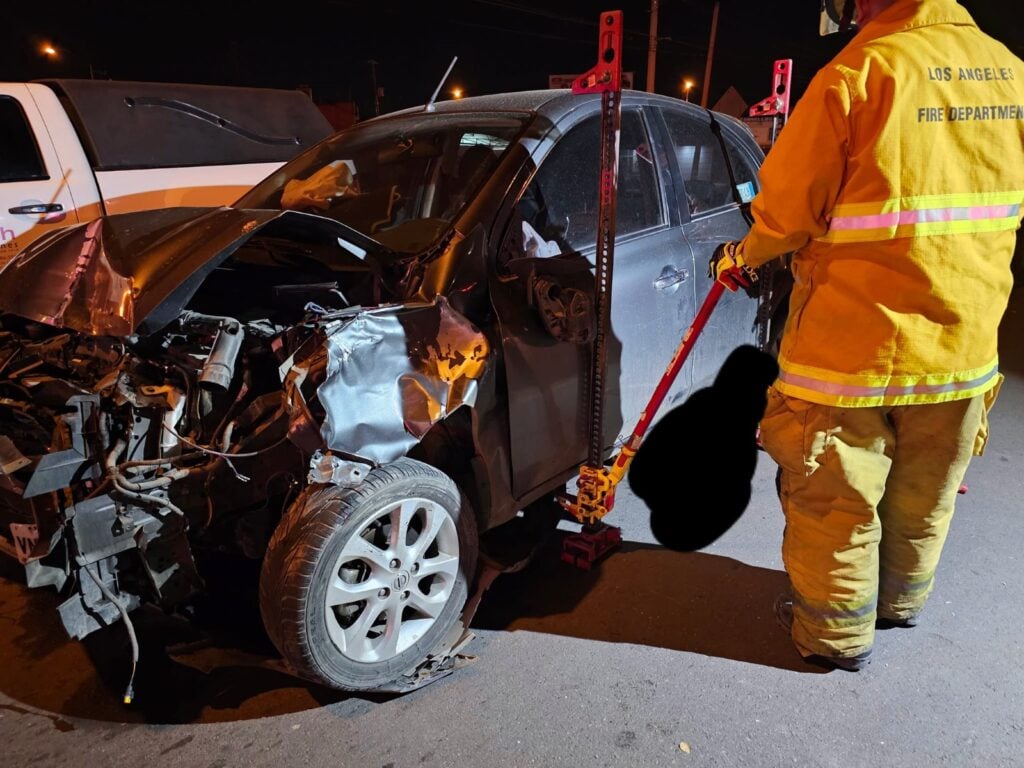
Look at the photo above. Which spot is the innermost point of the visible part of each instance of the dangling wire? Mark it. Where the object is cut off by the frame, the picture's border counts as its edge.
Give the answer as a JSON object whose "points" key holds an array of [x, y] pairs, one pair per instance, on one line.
{"points": [[129, 692]]}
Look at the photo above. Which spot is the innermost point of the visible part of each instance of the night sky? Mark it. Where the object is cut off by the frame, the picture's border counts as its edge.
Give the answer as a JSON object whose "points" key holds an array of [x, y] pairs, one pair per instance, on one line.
{"points": [[329, 45]]}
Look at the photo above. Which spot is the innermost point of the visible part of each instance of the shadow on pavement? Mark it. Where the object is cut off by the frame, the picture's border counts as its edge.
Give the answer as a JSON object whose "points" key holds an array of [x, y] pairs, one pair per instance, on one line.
{"points": [[648, 595], [218, 667], [221, 667]]}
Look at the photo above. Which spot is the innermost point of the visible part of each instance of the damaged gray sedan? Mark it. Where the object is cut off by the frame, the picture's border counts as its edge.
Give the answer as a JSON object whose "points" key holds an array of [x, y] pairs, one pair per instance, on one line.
{"points": [[375, 357]]}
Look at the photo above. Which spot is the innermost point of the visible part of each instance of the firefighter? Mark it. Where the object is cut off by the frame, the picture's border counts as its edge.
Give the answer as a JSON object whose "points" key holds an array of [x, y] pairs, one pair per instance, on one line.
{"points": [[896, 186]]}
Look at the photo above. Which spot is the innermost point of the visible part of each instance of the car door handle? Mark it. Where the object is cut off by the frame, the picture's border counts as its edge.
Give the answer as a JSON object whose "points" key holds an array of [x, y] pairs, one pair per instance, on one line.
{"points": [[670, 276], [37, 208]]}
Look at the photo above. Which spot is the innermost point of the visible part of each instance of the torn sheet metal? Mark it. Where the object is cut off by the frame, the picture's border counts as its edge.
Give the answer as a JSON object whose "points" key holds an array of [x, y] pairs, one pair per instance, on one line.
{"points": [[82, 289], [391, 376], [104, 277], [135, 272]]}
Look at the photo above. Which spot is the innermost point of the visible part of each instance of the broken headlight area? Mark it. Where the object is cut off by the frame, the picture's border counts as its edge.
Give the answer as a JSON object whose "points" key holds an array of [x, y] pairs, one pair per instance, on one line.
{"points": [[121, 459], [121, 454]]}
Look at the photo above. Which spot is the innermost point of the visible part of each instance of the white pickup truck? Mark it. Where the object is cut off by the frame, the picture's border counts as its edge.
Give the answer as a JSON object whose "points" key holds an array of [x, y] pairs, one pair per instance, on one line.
{"points": [[74, 150]]}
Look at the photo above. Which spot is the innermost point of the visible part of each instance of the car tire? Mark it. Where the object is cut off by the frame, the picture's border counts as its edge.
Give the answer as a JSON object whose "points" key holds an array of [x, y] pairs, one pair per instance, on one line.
{"points": [[344, 600]]}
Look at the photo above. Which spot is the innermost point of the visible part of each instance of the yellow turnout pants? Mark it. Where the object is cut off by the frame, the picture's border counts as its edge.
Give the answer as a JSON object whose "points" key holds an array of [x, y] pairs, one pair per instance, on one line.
{"points": [[868, 495]]}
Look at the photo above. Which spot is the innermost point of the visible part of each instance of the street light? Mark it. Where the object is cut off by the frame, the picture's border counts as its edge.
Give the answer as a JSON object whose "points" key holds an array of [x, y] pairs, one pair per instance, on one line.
{"points": [[687, 87], [52, 52], [456, 93]]}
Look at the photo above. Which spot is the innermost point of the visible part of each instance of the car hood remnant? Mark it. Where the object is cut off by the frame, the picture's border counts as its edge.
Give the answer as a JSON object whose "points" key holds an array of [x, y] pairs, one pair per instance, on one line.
{"points": [[382, 378], [129, 273]]}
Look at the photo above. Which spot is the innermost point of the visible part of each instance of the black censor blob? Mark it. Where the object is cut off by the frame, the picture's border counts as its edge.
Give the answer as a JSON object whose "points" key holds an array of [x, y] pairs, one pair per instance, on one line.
{"points": [[694, 469]]}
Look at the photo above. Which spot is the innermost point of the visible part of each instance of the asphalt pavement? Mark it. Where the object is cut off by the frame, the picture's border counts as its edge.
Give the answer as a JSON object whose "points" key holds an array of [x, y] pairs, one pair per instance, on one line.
{"points": [[655, 658]]}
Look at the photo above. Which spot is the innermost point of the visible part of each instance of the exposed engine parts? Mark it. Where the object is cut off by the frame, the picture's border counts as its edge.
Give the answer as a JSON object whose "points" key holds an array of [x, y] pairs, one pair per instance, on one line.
{"points": [[219, 368], [124, 460], [114, 453]]}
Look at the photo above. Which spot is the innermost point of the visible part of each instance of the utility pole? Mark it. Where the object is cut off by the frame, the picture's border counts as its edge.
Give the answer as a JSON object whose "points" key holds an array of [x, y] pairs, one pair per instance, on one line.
{"points": [[652, 46], [376, 90], [705, 91]]}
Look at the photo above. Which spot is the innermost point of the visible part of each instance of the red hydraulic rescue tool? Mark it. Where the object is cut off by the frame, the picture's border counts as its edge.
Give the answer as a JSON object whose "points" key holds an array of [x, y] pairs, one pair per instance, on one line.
{"points": [[596, 483]]}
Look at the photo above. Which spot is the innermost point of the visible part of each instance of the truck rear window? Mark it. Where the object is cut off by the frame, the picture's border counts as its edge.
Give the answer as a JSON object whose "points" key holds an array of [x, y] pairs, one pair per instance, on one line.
{"points": [[19, 154]]}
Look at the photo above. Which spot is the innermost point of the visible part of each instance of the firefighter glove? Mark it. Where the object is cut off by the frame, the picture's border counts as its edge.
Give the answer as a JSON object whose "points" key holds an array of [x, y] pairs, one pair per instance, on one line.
{"points": [[727, 267]]}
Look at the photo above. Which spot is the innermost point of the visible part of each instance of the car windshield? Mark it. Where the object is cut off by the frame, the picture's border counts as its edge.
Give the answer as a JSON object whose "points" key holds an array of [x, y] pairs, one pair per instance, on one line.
{"points": [[401, 181]]}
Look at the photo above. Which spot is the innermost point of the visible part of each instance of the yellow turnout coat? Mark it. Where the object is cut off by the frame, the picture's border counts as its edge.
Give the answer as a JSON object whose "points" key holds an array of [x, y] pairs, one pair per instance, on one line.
{"points": [[900, 198]]}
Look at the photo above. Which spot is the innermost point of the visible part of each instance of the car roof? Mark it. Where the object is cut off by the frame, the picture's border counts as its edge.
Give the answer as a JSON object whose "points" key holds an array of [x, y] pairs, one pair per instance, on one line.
{"points": [[553, 103]]}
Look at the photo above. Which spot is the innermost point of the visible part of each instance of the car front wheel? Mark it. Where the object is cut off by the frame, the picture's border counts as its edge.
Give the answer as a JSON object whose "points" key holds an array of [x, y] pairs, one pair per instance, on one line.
{"points": [[360, 585]]}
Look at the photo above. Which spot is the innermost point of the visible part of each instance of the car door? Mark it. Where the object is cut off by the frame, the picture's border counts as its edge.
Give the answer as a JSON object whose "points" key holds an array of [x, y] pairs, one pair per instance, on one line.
{"points": [[554, 237], [712, 215], [34, 197]]}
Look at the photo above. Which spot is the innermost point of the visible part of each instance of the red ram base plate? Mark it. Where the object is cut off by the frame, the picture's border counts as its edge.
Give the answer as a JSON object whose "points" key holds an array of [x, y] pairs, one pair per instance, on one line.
{"points": [[585, 548]]}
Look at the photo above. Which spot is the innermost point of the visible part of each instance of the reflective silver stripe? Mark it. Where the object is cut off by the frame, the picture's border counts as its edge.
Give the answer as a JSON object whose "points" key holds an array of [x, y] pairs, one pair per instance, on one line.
{"points": [[854, 390], [901, 587], [837, 612]]}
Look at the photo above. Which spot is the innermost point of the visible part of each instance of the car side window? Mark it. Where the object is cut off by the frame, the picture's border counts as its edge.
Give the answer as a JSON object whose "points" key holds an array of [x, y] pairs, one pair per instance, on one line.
{"points": [[559, 209], [702, 166], [19, 155]]}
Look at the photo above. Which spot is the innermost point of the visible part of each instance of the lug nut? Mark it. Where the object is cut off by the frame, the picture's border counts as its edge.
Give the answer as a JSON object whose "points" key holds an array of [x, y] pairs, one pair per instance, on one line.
{"points": [[405, 595], [415, 567], [383, 592], [395, 563]]}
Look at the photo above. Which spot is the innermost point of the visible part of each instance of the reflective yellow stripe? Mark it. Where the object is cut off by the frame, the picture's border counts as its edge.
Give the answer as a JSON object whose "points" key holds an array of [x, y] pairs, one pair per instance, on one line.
{"points": [[919, 202], [828, 388], [828, 614], [922, 216]]}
